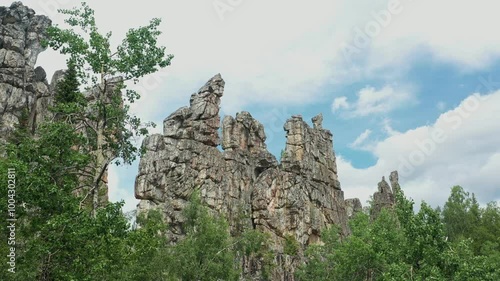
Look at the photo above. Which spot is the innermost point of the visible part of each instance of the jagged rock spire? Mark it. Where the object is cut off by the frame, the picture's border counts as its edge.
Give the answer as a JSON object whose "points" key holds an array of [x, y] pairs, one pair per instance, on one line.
{"points": [[394, 179], [300, 197], [353, 206], [21, 86], [385, 196]]}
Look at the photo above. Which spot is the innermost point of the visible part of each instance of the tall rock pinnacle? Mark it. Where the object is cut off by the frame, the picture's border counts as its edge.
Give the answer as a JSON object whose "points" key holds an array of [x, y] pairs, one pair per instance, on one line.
{"points": [[297, 198], [22, 86]]}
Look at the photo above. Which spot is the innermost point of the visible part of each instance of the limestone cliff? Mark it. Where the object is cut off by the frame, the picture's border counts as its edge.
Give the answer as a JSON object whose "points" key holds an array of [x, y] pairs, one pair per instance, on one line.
{"points": [[298, 197], [385, 196], [353, 206], [23, 87]]}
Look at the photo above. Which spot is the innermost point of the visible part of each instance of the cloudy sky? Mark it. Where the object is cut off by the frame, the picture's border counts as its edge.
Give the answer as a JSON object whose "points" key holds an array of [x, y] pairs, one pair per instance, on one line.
{"points": [[403, 85]]}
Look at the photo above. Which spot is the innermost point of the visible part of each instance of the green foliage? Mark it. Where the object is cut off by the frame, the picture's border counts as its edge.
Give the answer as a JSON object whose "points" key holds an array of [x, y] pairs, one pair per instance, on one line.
{"points": [[67, 91], [253, 242], [53, 234], [401, 245], [463, 219], [283, 154], [59, 239], [56, 239], [460, 214], [103, 71], [474, 232], [487, 238], [206, 252], [69, 103], [291, 246], [147, 247], [136, 56], [21, 131], [321, 259], [464, 265]]}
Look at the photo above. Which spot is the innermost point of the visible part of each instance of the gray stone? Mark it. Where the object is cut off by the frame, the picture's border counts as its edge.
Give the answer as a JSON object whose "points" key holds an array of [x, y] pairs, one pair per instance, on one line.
{"points": [[384, 197], [300, 197], [21, 86], [40, 74], [353, 206], [394, 179], [318, 121]]}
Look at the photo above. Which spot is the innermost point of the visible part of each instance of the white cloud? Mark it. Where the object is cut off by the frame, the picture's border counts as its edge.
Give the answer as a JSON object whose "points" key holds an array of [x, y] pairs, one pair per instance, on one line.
{"points": [[263, 61], [288, 60], [372, 101], [460, 148], [388, 128], [116, 192], [464, 38], [340, 103], [384, 100], [361, 139], [272, 62]]}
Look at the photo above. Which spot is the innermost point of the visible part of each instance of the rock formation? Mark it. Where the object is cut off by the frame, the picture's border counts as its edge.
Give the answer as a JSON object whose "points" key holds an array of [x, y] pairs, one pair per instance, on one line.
{"points": [[394, 179], [23, 87], [353, 206], [385, 196], [24, 90], [297, 198]]}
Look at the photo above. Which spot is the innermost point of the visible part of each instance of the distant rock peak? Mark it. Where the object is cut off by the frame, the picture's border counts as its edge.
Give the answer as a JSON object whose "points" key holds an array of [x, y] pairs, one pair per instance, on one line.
{"points": [[385, 196]]}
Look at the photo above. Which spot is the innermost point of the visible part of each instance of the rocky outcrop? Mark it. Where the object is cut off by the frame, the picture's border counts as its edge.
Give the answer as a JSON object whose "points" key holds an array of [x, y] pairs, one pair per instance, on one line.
{"points": [[353, 206], [234, 173], [185, 158], [302, 195], [385, 196], [295, 198], [23, 88], [394, 179]]}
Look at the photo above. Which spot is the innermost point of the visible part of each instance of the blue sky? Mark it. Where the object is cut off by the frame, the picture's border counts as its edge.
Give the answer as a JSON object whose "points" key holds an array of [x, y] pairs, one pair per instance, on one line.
{"points": [[407, 85]]}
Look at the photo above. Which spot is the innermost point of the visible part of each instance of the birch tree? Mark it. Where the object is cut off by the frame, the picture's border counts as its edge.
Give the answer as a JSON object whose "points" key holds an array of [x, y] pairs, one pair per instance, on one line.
{"points": [[103, 72]]}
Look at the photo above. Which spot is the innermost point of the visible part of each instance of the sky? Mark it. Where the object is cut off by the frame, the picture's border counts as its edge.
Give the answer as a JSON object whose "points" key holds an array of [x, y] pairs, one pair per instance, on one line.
{"points": [[403, 85]]}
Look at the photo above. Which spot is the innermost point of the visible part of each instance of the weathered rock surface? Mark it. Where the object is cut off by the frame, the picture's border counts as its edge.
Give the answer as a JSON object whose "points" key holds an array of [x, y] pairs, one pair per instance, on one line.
{"points": [[353, 206], [394, 179], [302, 195], [298, 198], [385, 196], [186, 158], [22, 86], [24, 89]]}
